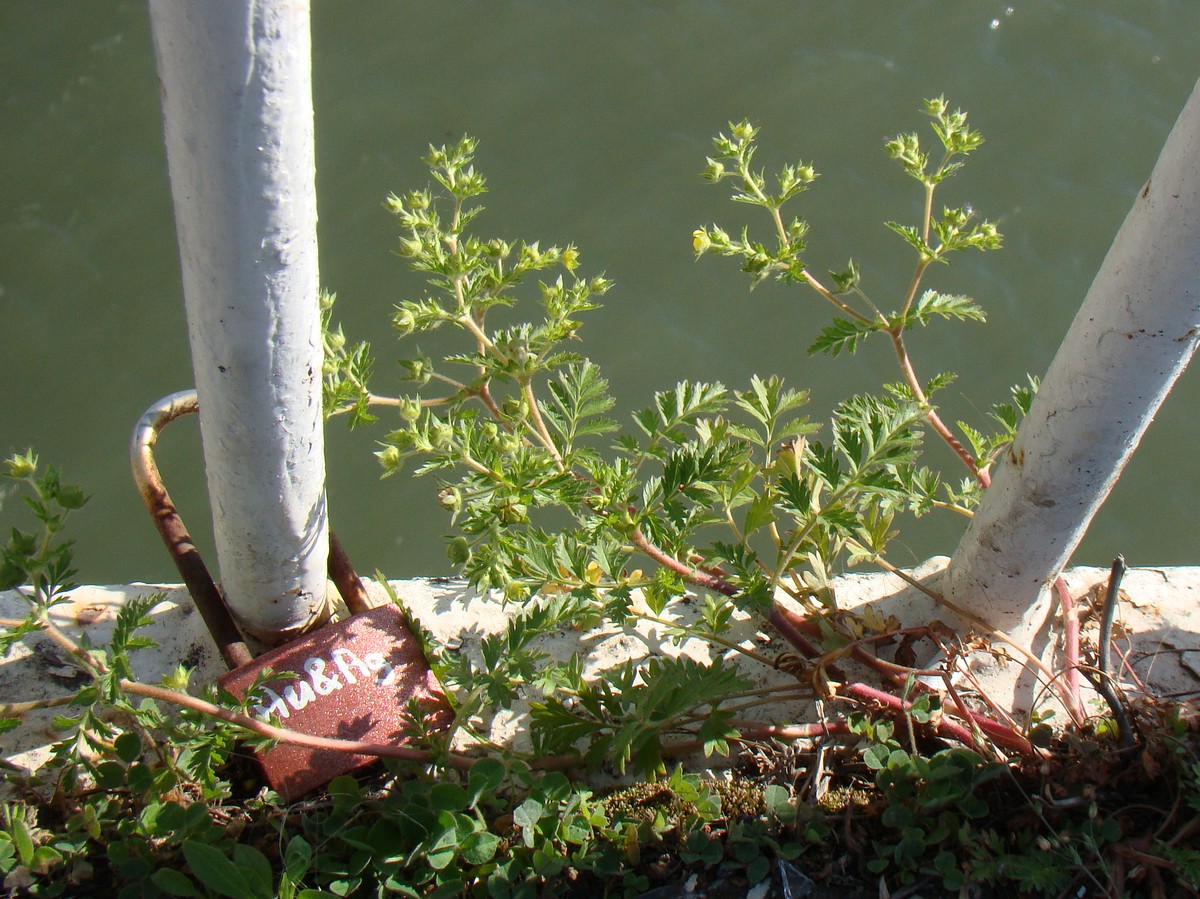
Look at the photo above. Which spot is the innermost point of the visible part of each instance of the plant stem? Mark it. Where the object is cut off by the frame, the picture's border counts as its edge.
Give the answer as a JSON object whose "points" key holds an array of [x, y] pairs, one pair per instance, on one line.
{"points": [[935, 421], [22, 708], [467, 320], [1070, 614], [270, 731], [539, 426], [846, 688], [691, 575], [820, 288], [710, 638], [1033, 660]]}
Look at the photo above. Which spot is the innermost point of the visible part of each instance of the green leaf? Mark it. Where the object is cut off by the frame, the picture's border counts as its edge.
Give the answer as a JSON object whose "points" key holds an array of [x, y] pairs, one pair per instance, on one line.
{"points": [[528, 813], [479, 848], [913, 238], [297, 858], [767, 401], [448, 797], [759, 513], [174, 883], [217, 872], [484, 780], [443, 849], [128, 747], [876, 757], [677, 407], [843, 335], [716, 732], [579, 398], [255, 868], [945, 305], [22, 840], [778, 801]]}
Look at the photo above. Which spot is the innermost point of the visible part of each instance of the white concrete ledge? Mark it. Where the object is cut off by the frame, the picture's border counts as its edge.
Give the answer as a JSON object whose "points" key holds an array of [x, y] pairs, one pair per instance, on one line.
{"points": [[1159, 615]]}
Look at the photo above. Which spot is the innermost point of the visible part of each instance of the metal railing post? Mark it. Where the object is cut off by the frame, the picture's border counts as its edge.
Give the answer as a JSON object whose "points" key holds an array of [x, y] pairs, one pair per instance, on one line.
{"points": [[237, 108], [1134, 334]]}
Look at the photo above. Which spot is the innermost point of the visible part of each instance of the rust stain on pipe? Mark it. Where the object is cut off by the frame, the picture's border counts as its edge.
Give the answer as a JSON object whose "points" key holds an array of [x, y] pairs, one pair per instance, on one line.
{"points": [[174, 534]]}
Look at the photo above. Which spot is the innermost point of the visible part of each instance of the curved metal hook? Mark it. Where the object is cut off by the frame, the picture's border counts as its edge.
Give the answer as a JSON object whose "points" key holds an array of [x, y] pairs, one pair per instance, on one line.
{"points": [[171, 528], [182, 550]]}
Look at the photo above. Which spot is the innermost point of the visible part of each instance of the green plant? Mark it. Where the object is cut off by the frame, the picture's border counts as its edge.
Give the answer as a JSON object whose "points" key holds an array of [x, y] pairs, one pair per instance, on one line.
{"points": [[931, 805], [40, 558], [731, 493], [734, 495]]}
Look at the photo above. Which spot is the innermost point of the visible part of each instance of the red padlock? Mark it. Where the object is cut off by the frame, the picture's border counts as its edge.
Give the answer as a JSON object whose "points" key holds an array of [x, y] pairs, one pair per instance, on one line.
{"points": [[352, 680]]}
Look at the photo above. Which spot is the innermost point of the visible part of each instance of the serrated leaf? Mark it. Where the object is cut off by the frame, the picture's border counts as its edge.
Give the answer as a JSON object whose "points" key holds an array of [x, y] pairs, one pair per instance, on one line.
{"points": [[843, 335], [939, 381], [912, 237], [767, 401], [946, 305], [579, 398], [759, 513], [674, 408], [978, 442], [716, 733]]}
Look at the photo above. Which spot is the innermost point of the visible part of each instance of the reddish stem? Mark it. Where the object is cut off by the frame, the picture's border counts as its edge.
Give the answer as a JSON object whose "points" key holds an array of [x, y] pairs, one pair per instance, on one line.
{"points": [[935, 421], [692, 575], [1070, 648], [791, 628]]}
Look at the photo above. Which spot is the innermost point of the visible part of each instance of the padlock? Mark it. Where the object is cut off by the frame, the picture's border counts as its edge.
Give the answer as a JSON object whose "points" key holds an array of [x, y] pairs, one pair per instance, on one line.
{"points": [[351, 680]]}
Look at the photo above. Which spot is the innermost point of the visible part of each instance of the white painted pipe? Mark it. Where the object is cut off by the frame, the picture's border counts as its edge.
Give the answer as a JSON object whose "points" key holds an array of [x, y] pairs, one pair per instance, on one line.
{"points": [[1135, 333], [237, 105]]}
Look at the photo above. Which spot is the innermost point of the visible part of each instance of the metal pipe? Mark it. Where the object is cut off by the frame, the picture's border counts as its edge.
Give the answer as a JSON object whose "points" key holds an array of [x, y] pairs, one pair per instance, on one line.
{"points": [[172, 530], [1136, 331], [236, 86], [182, 550]]}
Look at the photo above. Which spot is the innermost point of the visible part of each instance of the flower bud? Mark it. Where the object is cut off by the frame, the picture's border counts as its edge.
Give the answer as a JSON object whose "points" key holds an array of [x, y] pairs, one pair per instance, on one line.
{"points": [[410, 247], [22, 466], [450, 499], [410, 408], [389, 458], [458, 551], [714, 170], [404, 321], [514, 513]]}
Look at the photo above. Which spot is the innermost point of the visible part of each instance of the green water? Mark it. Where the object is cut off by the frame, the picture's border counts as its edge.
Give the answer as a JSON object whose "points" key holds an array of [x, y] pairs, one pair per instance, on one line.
{"points": [[594, 120]]}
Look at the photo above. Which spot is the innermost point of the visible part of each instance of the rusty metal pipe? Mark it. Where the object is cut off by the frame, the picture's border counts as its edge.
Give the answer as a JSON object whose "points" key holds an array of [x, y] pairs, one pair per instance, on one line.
{"points": [[345, 578], [174, 534], [184, 554]]}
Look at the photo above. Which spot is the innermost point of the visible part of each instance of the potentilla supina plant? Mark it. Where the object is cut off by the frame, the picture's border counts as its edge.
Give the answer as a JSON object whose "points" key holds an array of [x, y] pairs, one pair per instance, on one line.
{"points": [[733, 494]]}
